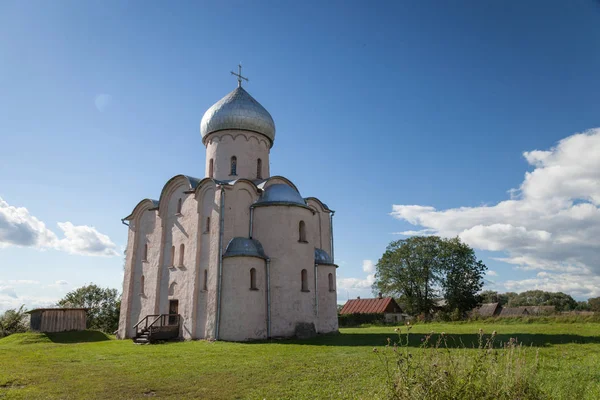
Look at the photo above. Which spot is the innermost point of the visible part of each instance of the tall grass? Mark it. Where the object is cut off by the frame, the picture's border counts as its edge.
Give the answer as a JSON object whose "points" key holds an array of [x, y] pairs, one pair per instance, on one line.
{"points": [[492, 370]]}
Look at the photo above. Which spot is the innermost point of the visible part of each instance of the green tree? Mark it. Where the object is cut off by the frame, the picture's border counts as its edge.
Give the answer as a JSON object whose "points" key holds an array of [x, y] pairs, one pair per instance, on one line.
{"points": [[462, 275], [594, 304], [103, 306], [420, 270], [13, 321], [410, 269]]}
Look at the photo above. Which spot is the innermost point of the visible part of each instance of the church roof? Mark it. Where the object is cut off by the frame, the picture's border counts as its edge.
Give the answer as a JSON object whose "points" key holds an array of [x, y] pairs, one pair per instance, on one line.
{"points": [[244, 247], [321, 257], [280, 194], [238, 110]]}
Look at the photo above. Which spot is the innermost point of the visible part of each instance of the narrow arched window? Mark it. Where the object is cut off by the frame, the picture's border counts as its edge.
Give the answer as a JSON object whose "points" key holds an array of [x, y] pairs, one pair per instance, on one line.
{"points": [[211, 166], [331, 288], [172, 289], [207, 229], [181, 251], [179, 203], [142, 284], [145, 252], [253, 279], [259, 169], [172, 260], [205, 286], [302, 232], [304, 276], [233, 165]]}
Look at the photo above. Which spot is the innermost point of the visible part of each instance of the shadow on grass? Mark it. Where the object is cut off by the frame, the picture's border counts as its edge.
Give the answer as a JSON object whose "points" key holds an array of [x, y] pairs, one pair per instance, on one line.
{"points": [[77, 337], [452, 340]]}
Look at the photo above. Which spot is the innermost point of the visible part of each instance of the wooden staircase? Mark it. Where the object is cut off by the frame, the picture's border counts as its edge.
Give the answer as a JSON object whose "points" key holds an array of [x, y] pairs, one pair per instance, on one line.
{"points": [[157, 327]]}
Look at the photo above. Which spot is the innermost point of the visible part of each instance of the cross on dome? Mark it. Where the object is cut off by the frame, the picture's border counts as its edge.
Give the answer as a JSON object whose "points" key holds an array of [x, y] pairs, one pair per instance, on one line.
{"points": [[239, 75]]}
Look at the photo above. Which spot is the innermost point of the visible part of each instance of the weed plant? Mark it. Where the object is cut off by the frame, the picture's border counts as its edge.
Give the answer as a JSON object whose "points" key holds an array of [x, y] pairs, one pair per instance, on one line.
{"points": [[492, 370]]}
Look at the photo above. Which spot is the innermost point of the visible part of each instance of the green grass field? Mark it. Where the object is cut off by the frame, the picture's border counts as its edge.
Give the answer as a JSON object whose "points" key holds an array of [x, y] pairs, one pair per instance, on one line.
{"points": [[91, 365]]}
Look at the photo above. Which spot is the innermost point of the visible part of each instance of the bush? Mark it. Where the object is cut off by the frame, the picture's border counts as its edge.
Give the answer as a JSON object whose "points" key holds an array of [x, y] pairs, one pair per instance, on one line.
{"points": [[13, 321], [493, 370]]}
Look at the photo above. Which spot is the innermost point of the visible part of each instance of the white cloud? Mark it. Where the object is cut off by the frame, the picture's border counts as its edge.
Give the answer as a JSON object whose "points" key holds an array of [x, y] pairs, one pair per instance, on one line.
{"points": [[30, 302], [85, 240], [491, 272], [21, 282], [8, 291], [102, 101], [19, 228], [59, 284], [551, 222], [368, 266]]}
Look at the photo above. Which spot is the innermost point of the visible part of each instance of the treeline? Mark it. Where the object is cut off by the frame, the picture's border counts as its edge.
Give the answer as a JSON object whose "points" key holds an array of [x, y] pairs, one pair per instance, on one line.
{"points": [[560, 301]]}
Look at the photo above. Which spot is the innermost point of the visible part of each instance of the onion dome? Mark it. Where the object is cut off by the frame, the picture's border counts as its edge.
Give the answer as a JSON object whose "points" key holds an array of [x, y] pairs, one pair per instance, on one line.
{"points": [[321, 257], [280, 194], [244, 247], [238, 110]]}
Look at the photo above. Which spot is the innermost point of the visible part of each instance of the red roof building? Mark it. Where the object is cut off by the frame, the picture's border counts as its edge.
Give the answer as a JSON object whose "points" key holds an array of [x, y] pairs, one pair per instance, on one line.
{"points": [[379, 305]]}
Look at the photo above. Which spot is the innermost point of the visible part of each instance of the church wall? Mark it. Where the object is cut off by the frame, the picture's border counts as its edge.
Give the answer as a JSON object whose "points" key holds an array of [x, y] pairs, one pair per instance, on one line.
{"points": [[276, 227], [177, 280], [212, 255], [125, 312], [328, 319], [246, 146], [207, 231], [140, 300], [323, 229], [243, 313]]}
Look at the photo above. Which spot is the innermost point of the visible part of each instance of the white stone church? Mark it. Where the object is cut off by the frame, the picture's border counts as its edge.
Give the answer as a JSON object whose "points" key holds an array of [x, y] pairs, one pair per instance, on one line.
{"points": [[238, 255]]}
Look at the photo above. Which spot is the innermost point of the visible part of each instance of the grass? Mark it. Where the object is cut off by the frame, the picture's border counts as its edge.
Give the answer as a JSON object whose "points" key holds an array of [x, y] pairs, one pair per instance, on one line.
{"points": [[93, 365]]}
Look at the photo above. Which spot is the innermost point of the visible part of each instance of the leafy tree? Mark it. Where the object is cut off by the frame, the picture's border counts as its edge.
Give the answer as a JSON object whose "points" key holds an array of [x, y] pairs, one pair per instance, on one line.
{"points": [[103, 306], [420, 270], [594, 304], [13, 321], [410, 269], [463, 275], [583, 306]]}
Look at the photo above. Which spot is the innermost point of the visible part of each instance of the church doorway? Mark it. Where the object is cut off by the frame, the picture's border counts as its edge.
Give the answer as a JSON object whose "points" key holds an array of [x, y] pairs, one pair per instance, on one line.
{"points": [[173, 311]]}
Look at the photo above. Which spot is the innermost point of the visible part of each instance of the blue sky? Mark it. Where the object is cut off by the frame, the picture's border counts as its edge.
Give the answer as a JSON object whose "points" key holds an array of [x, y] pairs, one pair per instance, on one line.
{"points": [[378, 107]]}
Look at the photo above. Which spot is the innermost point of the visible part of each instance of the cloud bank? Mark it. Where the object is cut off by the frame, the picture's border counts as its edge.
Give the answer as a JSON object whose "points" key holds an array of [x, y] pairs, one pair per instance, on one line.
{"points": [[550, 223], [19, 228]]}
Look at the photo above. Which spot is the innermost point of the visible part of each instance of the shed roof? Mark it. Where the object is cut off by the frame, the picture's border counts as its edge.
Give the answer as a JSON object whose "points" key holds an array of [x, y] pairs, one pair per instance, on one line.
{"points": [[513, 311], [368, 306], [488, 309]]}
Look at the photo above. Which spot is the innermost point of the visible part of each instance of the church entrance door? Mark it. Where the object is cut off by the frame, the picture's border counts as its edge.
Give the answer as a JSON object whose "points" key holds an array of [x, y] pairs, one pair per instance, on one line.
{"points": [[173, 310]]}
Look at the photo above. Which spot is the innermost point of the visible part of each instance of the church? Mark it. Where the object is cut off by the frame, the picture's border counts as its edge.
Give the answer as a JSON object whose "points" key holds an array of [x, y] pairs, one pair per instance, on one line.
{"points": [[237, 255]]}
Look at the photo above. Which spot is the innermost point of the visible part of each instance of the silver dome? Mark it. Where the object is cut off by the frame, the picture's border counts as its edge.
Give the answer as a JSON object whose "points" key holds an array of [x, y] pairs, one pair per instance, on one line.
{"points": [[280, 193], [321, 257], [244, 247], [238, 110]]}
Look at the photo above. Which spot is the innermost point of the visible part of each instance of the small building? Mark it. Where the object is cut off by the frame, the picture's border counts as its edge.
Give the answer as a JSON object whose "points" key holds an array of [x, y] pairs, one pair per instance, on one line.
{"points": [[488, 310], [380, 305], [514, 312], [57, 319]]}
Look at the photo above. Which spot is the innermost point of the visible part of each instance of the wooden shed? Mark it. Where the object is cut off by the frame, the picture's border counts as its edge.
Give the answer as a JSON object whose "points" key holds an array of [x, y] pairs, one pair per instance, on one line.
{"points": [[57, 319]]}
